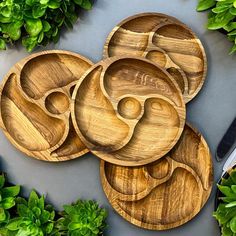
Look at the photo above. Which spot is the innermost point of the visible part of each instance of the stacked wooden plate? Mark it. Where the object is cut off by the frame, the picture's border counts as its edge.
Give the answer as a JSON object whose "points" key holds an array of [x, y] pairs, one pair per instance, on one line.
{"points": [[128, 109]]}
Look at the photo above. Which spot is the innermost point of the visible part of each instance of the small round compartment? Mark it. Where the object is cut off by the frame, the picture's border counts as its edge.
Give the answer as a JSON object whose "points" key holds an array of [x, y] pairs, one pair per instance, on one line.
{"points": [[129, 108], [57, 103]]}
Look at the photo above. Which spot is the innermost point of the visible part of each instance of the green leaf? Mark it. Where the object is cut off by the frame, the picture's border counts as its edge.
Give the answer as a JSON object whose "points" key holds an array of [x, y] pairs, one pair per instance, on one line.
{"points": [[38, 11], [220, 9], [86, 4], [33, 27], [233, 225], [2, 214], [40, 37], [46, 26], [233, 11], [2, 181], [205, 4], [233, 50], [227, 191], [14, 224], [231, 26], [231, 204], [54, 4], [220, 20], [2, 44], [49, 228], [8, 203], [23, 210], [44, 2], [12, 191]]}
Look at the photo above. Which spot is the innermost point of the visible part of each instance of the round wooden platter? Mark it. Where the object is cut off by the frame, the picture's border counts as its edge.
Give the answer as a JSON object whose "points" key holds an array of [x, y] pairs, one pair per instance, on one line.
{"points": [[167, 42], [35, 105], [128, 111], [164, 194]]}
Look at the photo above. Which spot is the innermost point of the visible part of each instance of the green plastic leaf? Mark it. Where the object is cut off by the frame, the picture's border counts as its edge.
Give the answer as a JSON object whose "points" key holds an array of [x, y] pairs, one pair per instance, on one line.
{"points": [[2, 44], [205, 4], [12, 191], [33, 27]]}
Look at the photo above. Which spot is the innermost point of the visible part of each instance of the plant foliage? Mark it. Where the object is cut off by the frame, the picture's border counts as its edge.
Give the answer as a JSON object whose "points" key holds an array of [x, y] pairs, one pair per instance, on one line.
{"points": [[221, 17], [226, 211], [37, 22], [82, 218], [32, 217]]}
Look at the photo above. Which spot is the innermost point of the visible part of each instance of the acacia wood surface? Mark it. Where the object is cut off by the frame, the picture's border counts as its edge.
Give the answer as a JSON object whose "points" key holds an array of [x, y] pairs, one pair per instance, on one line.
{"points": [[35, 105], [164, 194], [128, 111], [167, 42]]}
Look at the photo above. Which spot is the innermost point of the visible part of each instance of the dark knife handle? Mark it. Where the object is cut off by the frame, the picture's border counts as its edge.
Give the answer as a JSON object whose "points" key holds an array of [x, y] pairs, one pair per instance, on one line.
{"points": [[228, 142]]}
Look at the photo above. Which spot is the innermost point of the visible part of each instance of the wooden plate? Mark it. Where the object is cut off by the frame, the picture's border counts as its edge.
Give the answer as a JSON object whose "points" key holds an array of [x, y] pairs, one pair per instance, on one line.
{"points": [[166, 41], [164, 194], [128, 111], [35, 102]]}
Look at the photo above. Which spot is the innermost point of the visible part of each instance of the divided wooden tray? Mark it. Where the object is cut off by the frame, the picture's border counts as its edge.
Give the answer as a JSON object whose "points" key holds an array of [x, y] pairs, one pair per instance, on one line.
{"points": [[166, 41], [164, 194], [35, 105], [128, 111]]}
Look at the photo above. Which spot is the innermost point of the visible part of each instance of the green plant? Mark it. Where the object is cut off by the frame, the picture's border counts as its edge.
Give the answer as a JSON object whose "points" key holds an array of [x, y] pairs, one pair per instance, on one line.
{"points": [[34, 218], [37, 22], [82, 218], [221, 17], [7, 200], [226, 211]]}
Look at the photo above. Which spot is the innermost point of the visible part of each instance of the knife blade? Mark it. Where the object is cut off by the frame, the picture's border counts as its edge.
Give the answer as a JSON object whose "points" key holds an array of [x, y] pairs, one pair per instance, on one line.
{"points": [[230, 163], [228, 142]]}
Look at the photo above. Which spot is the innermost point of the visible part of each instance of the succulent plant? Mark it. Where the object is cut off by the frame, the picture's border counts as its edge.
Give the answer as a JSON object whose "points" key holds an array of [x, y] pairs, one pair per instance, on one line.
{"points": [[34, 217], [82, 218], [7, 199]]}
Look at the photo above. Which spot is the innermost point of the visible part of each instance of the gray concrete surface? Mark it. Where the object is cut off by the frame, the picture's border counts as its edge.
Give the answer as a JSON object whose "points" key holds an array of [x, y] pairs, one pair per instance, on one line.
{"points": [[211, 112]]}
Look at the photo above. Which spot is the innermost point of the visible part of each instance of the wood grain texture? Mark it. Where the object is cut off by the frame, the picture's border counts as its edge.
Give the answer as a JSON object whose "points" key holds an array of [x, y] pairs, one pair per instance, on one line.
{"points": [[164, 194], [167, 42], [128, 111], [35, 105]]}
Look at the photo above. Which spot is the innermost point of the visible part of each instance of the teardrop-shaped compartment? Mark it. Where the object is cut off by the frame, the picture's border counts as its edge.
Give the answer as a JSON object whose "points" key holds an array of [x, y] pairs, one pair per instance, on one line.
{"points": [[95, 117], [126, 180], [27, 123]]}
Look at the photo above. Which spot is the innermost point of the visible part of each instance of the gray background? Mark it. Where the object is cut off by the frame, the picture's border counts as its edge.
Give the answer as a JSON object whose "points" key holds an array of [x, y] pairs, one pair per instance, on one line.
{"points": [[211, 112]]}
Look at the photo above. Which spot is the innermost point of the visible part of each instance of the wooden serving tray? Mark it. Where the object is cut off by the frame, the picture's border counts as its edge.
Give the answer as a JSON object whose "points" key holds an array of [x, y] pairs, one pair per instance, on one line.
{"points": [[35, 105], [167, 42], [128, 111], [164, 194]]}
